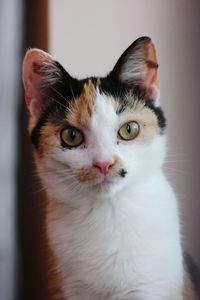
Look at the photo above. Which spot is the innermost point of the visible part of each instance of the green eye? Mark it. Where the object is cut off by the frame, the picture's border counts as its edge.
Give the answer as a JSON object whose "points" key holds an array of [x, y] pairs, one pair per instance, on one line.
{"points": [[129, 131], [71, 137]]}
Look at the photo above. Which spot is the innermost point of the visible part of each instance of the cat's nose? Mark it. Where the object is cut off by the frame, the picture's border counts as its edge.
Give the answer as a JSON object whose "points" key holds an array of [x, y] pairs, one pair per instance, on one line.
{"points": [[103, 166]]}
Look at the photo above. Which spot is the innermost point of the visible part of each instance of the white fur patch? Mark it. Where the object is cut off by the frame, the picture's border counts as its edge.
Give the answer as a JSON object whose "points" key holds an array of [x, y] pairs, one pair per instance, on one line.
{"points": [[124, 244]]}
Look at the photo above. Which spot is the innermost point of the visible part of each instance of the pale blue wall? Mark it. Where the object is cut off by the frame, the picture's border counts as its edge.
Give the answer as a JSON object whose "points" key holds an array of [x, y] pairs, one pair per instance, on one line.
{"points": [[10, 43]]}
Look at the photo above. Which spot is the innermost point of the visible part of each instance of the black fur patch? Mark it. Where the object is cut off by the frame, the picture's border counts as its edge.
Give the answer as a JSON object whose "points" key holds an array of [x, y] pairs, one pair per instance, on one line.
{"points": [[122, 173], [113, 87], [194, 272], [35, 134]]}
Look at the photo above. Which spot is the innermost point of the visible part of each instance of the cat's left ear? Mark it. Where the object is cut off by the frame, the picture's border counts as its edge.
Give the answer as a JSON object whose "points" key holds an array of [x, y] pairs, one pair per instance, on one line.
{"points": [[137, 69]]}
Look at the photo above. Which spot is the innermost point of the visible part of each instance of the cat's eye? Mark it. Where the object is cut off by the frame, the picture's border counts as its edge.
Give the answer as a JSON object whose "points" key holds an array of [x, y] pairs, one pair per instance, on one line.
{"points": [[129, 131], [71, 137]]}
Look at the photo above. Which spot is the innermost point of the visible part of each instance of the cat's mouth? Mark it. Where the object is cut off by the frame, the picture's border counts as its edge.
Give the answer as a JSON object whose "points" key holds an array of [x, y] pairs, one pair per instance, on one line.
{"points": [[105, 181], [93, 179], [103, 184]]}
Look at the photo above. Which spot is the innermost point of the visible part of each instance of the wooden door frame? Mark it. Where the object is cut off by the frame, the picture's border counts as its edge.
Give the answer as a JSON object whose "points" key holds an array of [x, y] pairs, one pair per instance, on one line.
{"points": [[31, 203]]}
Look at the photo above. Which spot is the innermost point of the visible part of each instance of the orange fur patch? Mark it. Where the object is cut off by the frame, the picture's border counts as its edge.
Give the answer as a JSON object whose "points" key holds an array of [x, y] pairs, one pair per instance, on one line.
{"points": [[151, 66], [54, 277], [86, 174], [48, 138], [149, 122], [82, 108]]}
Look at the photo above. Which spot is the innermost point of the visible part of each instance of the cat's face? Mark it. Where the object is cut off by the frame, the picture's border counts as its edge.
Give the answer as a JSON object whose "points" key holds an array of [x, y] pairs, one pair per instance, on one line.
{"points": [[97, 135]]}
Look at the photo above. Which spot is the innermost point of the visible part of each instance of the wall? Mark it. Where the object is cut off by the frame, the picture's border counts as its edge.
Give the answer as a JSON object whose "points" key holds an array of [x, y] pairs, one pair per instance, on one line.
{"points": [[10, 43], [88, 37]]}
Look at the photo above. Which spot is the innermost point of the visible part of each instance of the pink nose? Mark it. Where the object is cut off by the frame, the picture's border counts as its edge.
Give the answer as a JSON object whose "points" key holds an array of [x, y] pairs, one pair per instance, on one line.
{"points": [[103, 166]]}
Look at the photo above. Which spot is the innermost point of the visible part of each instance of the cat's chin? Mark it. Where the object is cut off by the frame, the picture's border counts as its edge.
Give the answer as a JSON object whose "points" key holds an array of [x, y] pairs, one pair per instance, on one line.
{"points": [[106, 186]]}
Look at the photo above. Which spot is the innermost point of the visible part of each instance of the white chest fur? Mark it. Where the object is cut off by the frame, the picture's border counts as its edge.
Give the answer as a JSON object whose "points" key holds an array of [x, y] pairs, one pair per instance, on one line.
{"points": [[123, 248]]}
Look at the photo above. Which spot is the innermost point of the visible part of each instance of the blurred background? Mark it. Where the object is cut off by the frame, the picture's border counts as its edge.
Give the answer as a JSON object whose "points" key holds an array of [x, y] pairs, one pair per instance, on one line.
{"points": [[87, 37]]}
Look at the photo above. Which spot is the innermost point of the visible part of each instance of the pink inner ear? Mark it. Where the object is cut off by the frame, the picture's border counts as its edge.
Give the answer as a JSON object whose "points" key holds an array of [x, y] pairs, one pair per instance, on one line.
{"points": [[35, 107], [32, 80], [152, 93], [31, 84]]}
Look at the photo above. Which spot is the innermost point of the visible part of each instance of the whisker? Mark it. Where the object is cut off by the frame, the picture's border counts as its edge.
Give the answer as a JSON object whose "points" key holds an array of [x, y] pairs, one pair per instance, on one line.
{"points": [[58, 93], [176, 170], [72, 92], [56, 101]]}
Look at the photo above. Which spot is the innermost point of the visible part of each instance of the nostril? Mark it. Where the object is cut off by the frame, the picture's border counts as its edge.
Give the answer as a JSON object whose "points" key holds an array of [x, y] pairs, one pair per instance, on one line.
{"points": [[103, 166]]}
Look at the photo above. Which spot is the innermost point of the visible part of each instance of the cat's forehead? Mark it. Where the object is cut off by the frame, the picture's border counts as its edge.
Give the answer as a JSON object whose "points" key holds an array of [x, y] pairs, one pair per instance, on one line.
{"points": [[91, 105]]}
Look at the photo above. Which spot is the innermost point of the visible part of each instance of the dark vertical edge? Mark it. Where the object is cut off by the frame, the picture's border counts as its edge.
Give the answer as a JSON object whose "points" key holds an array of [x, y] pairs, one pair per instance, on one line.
{"points": [[31, 202]]}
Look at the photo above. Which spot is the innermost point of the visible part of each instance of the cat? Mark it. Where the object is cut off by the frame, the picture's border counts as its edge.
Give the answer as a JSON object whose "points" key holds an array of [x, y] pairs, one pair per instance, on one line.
{"points": [[112, 219]]}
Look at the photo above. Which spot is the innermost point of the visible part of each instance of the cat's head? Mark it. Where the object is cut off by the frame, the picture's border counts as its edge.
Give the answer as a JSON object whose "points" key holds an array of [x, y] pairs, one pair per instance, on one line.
{"points": [[95, 135]]}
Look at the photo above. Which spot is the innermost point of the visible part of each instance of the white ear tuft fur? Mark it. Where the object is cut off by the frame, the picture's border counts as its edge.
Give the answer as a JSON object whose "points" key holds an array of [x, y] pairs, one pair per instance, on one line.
{"points": [[137, 68]]}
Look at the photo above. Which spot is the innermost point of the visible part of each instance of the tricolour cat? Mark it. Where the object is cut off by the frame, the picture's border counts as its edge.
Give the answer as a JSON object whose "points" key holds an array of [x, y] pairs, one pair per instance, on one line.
{"points": [[99, 145]]}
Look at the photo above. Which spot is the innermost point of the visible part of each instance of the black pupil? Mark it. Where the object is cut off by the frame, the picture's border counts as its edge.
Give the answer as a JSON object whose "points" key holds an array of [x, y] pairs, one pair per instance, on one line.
{"points": [[128, 128], [72, 134]]}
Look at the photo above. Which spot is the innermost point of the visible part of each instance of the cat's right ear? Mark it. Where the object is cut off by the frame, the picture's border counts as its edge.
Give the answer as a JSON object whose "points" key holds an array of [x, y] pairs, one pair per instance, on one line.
{"points": [[40, 74], [34, 65]]}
